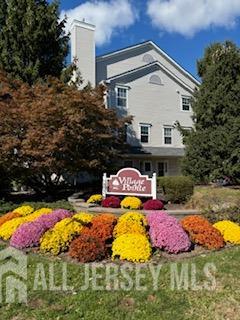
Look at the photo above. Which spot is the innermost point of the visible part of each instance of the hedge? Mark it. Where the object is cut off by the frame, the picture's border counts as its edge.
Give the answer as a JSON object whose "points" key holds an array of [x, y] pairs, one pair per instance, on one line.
{"points": [[176, 189]]}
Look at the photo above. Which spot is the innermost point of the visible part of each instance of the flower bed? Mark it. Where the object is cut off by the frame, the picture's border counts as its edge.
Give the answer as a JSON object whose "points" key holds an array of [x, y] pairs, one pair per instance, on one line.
{"points": [[131, 237]]}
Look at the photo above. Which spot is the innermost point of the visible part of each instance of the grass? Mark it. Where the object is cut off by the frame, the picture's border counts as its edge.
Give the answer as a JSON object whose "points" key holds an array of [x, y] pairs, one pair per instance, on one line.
{"points": [[161, 304], [206, 196]]}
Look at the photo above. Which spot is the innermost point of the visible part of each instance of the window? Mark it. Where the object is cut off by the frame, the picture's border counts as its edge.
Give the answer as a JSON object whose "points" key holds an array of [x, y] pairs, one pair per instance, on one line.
{"points": [[147, 166], [144, 133], [167, 135], [155, 79], [122, 97], [186, 103], [148, 58]]}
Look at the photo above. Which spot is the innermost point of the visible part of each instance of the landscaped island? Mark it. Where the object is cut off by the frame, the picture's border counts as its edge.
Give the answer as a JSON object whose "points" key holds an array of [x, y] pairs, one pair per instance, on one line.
{"points": [[131, 237]]}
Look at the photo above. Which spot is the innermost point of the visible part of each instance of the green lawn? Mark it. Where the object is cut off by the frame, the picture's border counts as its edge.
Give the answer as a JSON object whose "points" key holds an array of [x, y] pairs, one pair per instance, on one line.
{"points": [[163, 303]]}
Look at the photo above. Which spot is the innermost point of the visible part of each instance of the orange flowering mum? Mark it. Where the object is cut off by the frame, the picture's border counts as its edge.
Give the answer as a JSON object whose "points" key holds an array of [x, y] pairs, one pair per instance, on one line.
{"points": [[202, 232], [101, 227], [8, 216]]}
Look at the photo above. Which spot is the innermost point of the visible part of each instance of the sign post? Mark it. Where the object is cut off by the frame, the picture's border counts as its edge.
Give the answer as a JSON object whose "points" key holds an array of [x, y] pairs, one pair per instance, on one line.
{"points": [[129, 181]]}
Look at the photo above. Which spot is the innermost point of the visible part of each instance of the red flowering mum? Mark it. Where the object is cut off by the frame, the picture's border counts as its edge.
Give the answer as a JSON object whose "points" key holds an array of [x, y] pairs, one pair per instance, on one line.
{"points": [[153, 205], [111, 202], [87, 248], [9, 216]]}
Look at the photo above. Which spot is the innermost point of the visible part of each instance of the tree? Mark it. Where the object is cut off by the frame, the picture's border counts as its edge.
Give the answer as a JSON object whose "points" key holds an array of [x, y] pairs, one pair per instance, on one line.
{"points": [[213, 146], [32, 39], [55, 130]]}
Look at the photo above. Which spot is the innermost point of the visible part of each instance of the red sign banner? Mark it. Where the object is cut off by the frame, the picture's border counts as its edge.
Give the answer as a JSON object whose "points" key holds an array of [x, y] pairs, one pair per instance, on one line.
{"points": [[129, 181]]}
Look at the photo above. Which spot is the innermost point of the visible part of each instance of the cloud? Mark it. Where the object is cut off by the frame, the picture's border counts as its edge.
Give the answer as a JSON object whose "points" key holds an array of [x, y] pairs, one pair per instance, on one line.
{"points": [[108, 16], [187, 17]]}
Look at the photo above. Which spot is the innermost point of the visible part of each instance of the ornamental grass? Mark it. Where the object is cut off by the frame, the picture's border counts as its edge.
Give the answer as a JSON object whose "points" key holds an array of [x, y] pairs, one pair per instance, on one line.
{"points": [[8, 228], [167, 234], [132, 247], [30, 233], [8, 216], [111, 202], [24, 210], [201, 232], [87, 248], [229, 230], [58, 239], [131, 203], [95, 199]]}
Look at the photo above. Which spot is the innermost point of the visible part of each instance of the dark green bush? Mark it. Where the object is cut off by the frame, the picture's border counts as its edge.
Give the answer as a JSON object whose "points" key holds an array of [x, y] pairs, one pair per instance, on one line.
{"points": [[227, 212], [176, 189]]}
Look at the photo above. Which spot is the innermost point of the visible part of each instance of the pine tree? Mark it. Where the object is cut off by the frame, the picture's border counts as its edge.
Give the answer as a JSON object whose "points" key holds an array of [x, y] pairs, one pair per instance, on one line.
{"points": [[32, 40], [213, 146]]}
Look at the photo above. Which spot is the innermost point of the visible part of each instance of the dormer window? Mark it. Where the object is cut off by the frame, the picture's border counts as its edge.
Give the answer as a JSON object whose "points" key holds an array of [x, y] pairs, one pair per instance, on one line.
{"points": [[122, 97]]}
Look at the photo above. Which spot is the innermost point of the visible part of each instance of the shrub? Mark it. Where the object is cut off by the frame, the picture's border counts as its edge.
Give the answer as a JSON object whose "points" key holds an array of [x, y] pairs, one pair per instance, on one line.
{"points": [[132, 203], [153, 204], [101, 227], [229, 230], [24, 210], [30, 233], [58, 239], [132, 247], [87, 248], [167, 234], [8, 216], [95, 199], [8, 228], [111, 202], [176, 189], [202, 232]]}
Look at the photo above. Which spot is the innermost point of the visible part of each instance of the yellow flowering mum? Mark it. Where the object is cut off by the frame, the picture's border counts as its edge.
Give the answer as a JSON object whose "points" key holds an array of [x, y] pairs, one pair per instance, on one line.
{"points": [[132, 216], [24, 210], [132, 247], [132, 203], [8, 228], [59, 238], [229, 230], [96, 198], [125, 226]]}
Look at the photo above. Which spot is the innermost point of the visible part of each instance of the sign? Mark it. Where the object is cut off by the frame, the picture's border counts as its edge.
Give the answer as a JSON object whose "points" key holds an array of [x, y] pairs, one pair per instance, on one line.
{"points": [[129, 181]]}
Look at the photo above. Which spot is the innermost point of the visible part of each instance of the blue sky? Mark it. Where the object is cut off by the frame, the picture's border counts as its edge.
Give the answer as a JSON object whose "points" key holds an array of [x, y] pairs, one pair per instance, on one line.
{"points": [[182, 28]]}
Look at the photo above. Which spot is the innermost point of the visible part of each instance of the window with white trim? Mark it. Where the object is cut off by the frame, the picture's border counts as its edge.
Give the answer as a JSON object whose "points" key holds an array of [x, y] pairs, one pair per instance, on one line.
{"points": [[186, 103], [167, 131], [121, 93], [145, 133]]}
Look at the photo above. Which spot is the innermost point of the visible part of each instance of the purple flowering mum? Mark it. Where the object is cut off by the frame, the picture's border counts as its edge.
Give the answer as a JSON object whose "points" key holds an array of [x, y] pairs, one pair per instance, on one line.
{"points": [[166, 233], [30, 233]]}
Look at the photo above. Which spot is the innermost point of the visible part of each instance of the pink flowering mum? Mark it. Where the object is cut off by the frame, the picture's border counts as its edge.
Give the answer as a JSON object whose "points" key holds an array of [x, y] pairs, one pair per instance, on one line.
{"points": [[30, 233], [166, 233]]}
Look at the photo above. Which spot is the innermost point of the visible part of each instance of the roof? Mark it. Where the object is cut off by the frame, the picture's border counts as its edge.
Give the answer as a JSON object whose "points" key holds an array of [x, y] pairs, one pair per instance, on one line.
{"points": [[157, 151], [158, 49], [146, 66]]}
